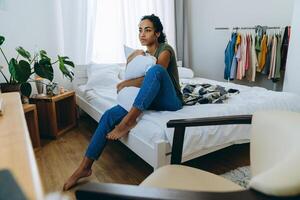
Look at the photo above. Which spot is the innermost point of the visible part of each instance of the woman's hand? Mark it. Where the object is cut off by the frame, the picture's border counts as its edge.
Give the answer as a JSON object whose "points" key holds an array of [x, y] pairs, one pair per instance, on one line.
{"points": [[139, 52], [121, 85], [134, 54], [137, 82]]}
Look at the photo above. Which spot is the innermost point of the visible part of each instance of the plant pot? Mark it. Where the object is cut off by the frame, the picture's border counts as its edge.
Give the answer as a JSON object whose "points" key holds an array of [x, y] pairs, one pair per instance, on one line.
{"points": [[7, 87], [39, 86]]}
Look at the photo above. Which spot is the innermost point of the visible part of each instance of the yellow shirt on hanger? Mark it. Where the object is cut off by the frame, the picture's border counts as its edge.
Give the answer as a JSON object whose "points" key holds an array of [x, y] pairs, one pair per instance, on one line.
{"points": [[238, 42], [263, 54]]}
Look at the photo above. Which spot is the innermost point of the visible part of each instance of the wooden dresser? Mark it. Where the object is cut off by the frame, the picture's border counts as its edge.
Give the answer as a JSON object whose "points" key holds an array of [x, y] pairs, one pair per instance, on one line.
{"points": [[16, 152]]}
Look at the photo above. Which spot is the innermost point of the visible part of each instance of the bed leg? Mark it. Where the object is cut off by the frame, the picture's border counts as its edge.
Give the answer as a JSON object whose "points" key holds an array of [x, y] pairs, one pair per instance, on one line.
{"points": [[160, 158]]}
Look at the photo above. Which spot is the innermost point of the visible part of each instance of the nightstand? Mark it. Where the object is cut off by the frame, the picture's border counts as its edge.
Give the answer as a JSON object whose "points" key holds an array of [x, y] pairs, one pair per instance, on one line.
{"points": [[32, 124], [57, 114]]}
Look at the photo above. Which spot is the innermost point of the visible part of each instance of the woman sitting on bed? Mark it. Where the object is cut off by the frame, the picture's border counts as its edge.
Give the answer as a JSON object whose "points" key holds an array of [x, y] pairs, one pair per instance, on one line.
{"points": [[159, 90]]}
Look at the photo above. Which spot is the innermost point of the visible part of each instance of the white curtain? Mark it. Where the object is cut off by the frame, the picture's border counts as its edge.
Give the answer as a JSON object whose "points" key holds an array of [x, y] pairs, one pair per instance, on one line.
{"points": [[117, 25], [96, 30], [77, 28]]}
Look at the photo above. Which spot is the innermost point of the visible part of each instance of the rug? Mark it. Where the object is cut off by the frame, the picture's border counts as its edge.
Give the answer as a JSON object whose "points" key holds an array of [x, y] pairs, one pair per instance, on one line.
{"points": [[240, 176]]}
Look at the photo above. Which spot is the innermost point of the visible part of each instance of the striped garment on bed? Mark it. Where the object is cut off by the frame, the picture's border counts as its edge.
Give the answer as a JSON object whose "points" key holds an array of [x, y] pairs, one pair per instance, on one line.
{"points": [[205, 94]]}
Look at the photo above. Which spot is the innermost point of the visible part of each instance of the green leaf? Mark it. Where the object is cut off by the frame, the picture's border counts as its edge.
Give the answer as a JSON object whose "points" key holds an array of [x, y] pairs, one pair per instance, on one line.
{"points": [[64, 57], [43, 52], [70, 63], [44, 69], [43, 55], [26, 89], [12, 66], [2, 39], [24, 53], [19, 71], [66, 72]]}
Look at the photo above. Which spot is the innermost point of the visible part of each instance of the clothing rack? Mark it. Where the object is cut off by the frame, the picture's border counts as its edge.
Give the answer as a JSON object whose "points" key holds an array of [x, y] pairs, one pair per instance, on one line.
{"points": [[247, 28], [260, 30]]}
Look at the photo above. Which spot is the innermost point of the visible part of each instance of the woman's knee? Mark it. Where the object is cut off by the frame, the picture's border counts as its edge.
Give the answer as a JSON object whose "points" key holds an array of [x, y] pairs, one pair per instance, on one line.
{"points": [[113, 115], [107, 117], [156, 69]]}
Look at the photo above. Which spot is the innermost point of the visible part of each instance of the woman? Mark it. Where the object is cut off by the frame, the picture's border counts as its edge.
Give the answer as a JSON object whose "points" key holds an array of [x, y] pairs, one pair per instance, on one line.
{"points": [[159, 90]]}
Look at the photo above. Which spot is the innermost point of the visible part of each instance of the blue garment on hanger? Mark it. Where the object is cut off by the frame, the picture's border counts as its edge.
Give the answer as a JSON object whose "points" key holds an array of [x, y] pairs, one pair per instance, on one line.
{"points": [[229, 55], [233, 68]]}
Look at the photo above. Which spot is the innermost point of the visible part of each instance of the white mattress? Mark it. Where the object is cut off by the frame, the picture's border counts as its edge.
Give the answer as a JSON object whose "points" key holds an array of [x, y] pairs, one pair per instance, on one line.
{"points": [[152, 124], [102, 98], [105, 98]]}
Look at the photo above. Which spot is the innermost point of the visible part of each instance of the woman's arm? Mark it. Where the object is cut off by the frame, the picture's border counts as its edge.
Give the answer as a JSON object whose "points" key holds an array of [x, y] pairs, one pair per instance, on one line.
{"points": [[137, 82], [164, 59]]}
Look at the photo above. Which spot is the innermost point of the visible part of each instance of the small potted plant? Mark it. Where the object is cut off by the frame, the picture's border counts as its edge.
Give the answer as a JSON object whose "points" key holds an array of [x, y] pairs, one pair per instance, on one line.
{"points": [[24, 66]]}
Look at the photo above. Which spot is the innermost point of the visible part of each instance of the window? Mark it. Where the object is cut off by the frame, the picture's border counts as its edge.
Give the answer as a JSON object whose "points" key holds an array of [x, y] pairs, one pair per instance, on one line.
{"points": [[117, 24]]}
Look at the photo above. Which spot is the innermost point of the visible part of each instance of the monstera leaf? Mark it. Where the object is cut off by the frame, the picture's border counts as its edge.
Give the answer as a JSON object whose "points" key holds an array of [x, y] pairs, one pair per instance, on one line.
{"points": [[44, 69], [19, 71], [44, 56], [64, 66], [24, 53]]}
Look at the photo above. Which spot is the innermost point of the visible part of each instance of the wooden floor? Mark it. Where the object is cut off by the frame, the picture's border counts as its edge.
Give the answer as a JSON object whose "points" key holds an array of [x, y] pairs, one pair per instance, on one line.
{"points": [[57, 159]]}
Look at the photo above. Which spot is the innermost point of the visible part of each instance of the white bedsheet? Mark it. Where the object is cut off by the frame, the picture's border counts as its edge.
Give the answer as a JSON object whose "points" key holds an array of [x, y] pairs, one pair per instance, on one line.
{"points": [[105, 98], [100, 98], [152, 124]]}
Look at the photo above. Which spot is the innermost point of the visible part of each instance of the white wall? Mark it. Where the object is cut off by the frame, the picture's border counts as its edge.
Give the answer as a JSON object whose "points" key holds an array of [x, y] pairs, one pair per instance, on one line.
{"points": [[292, 75], [31, 24], [207, 45]]}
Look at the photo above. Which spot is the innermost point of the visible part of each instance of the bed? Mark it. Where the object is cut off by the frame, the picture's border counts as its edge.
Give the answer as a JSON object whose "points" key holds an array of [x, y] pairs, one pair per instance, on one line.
{"points": [[152, 140]]}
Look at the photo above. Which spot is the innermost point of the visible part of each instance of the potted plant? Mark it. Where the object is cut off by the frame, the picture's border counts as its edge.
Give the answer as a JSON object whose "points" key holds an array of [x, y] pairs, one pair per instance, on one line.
{"points": [[25, 65]]}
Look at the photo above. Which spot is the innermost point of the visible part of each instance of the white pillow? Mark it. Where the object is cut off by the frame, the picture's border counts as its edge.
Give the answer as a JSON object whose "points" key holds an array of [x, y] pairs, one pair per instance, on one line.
{"points": [[138, 66], [184, 72], [122, 73], [127, 51], [127, 96], [94, 66], [102, 75]]}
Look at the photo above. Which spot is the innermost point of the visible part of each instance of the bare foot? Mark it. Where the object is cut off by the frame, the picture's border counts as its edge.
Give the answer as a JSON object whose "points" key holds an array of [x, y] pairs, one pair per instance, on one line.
{"points": [[120, 130], [78, 174]]}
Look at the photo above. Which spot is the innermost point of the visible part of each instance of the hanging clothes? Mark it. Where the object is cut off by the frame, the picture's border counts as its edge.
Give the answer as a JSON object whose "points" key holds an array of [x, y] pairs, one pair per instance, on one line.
{"points": [[242, 59], [285, 46], [235, 58], [248, 50], [254, 61], [249, 69], [263, 53], [229, 55], [238, 58], [266, 69], [276, 76], [273, 58], [248, 54], [233, 67], [238, 42]]}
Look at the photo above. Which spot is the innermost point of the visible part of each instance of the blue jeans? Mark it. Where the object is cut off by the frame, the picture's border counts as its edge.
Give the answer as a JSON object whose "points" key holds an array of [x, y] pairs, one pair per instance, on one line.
{"points": [[156, 93]]}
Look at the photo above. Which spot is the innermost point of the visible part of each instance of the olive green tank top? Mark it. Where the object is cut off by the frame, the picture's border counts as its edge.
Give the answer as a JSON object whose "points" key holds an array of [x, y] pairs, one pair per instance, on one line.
{"points": [[172, 67]]}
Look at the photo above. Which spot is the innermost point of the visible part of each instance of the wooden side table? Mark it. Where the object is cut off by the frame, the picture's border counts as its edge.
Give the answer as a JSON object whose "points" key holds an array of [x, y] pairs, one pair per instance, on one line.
{"points": [[32, 124], [57, 114]]}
